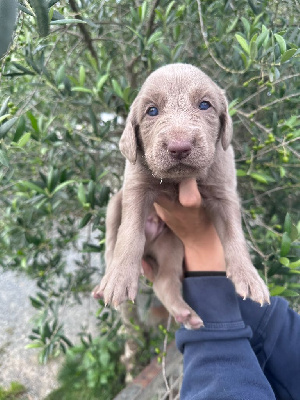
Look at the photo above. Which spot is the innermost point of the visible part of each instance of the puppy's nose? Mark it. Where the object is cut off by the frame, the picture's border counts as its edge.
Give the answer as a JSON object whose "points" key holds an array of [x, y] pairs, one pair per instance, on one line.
{"points": [[179, 149]]}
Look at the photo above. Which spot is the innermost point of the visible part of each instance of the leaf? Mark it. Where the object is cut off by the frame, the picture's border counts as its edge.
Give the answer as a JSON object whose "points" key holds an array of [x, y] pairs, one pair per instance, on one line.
{"points": [[290, 293], [154, 37], [62, 185], [117, 88], [232, 25], [3, 158], [67, 21], [85, 220], [295, 264], [287, 226], [40, 8], [277, 290], [4, 106], [285, 244], [8, 16], [284, 261], [243, 43], [261, 38], [81, 194], [101, 81], [24, 139], [81, 89], [81, 75], [281, 43], [4, 128], [258, 177], [240, 172], [5, 116], [287, 55], [31, 186]]}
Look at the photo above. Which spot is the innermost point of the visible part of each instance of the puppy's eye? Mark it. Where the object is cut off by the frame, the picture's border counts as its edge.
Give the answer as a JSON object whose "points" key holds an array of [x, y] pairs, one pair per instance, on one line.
{"points": [[152, 111], [204, 105]]}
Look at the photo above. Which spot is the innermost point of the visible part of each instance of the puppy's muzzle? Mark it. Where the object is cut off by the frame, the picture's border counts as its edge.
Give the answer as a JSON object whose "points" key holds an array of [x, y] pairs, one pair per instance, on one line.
{"points": [[179, 149]]}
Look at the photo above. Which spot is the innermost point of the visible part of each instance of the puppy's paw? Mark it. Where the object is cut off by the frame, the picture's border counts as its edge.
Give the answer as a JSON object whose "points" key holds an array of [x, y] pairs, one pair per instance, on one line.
{"points": [[248, 283], [186, 316], [116, 287]]}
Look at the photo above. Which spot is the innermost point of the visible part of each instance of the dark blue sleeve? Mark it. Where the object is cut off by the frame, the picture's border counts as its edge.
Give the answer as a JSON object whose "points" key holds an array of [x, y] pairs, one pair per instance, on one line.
{"points": [[219, 362], [276, 342]]}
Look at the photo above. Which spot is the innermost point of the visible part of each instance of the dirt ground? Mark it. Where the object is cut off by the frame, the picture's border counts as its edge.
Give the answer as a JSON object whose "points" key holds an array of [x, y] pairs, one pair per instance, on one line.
{"points": [[16, 313]]}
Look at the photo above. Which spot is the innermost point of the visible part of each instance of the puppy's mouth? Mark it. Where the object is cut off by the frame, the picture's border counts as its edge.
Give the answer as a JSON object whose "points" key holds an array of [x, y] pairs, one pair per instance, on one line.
{"points": [[180, 170]]}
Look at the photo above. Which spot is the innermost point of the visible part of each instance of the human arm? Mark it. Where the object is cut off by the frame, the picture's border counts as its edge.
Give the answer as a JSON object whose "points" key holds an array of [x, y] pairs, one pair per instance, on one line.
{"points": [[219, 362]]}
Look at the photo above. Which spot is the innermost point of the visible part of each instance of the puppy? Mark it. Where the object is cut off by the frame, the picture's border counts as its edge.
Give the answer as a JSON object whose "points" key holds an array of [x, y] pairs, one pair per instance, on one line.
{"points": [[178, 128]]}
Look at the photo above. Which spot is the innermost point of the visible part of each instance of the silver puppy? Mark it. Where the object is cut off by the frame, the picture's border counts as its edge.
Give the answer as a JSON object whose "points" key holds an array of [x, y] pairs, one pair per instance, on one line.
{"points": [[178, 127]]}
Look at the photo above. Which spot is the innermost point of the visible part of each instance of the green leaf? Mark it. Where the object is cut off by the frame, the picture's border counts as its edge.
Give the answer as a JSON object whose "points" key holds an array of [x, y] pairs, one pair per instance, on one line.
{"points": [[31, 186], [232, 25], [117, 88], [81, 75], [62, 185], [277, 290], [240, 172], [154, 37], [290, 293], [287, 226], [40, 8], [258, 177], [24, 139], [4, 128], [34, 345], [85, 220], [285, 244], [287, 55], [281, 43], [243, 43], [295, 264], [4, 158], [284, 261], [261, 38], [67, 21], [5, 116], [81, 89], [101, 81], [81, 194], [4, 106], [8, 16]]}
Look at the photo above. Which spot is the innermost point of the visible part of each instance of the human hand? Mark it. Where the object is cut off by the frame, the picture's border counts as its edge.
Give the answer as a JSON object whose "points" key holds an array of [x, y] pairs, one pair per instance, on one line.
{"points": [[191, 224]]}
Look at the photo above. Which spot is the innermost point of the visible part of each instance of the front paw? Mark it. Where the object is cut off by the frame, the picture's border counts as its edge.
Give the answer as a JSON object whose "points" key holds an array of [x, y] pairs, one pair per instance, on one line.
{"points": [[116, 287], [248, 283]]}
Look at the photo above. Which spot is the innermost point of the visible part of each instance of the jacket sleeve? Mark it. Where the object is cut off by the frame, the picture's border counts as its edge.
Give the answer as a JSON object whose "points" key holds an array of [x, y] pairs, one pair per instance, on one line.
{"points": [[219, 362], [275, 340]]}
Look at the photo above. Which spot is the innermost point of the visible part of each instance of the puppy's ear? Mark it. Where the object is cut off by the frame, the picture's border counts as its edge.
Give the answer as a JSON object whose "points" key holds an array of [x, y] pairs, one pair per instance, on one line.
{"points": [[225, 133], [128, 143]]}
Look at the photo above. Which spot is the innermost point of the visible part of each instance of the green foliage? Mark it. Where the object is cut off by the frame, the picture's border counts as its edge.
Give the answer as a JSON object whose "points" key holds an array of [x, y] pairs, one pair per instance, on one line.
{"points": [[14, 392], [66, 87], [92, 370]]}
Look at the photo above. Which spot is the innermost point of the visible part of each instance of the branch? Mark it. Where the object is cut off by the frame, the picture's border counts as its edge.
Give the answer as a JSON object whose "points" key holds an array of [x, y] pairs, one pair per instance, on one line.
{"points": [[204, 35], [85, 33]]}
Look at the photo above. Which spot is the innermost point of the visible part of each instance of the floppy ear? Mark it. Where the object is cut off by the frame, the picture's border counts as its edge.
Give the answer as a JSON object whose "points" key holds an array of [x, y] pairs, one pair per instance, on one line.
{"points": [[225, 133], [128, 144]]}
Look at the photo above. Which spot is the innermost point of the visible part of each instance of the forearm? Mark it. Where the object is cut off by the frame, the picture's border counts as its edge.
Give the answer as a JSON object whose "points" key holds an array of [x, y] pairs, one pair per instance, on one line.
{"points": [[219, 362]]}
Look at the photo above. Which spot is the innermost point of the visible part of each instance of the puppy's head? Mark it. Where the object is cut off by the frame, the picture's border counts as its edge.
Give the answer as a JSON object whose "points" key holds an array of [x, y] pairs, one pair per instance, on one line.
{"points": [[176, 123]]}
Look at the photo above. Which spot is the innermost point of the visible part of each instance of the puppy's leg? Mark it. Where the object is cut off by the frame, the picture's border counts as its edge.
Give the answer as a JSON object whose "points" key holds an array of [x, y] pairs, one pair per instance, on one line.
{"points": [[121, 278], [168, 252], [226, 216], [113, 221]]}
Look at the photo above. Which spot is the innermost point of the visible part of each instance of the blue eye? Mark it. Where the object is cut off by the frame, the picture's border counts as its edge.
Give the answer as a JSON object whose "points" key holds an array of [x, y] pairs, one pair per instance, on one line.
{"points": [[152, 111], [204, 105]]}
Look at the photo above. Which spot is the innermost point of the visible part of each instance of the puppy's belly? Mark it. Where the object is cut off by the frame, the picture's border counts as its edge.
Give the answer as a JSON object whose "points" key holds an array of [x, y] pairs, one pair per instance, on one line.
{"points": [[153, 227]]}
